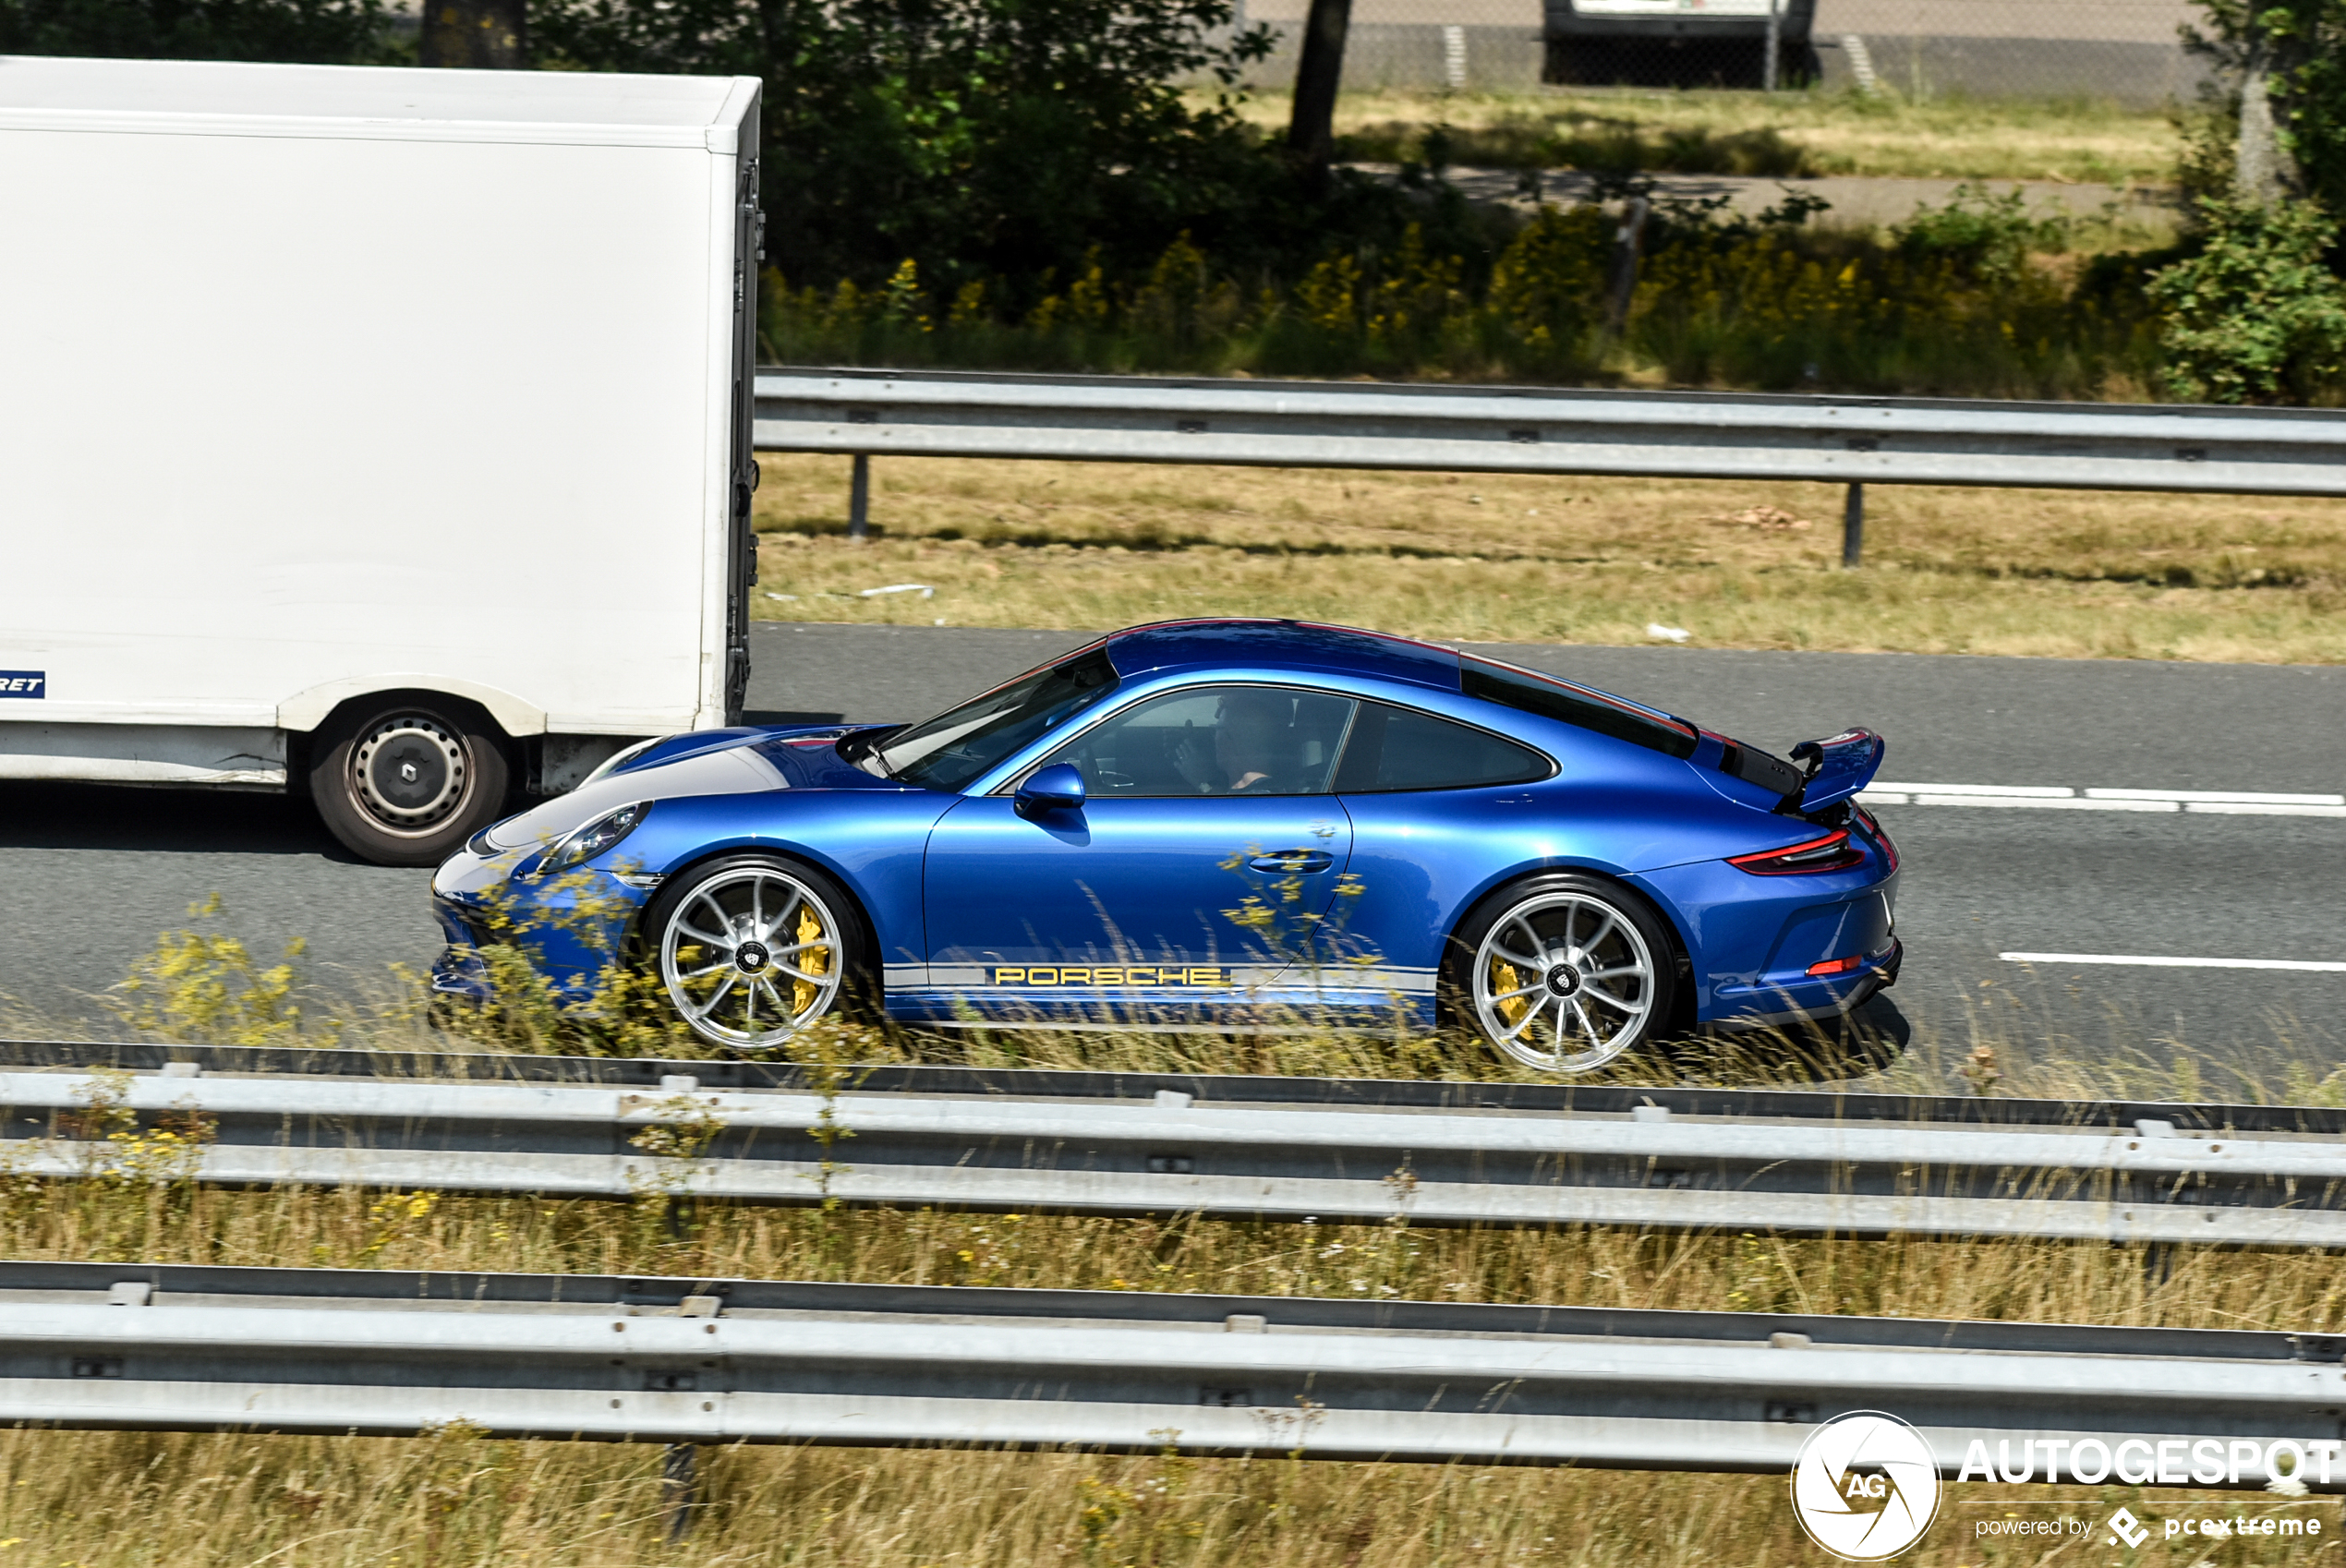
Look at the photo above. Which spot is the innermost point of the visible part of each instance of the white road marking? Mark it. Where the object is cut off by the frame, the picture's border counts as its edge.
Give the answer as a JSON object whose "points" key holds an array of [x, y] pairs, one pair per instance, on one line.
{"points": [[2148, 960], [2053, 797], [2216, 797], [2034, 802], [2025, 791], [2259, 808]]}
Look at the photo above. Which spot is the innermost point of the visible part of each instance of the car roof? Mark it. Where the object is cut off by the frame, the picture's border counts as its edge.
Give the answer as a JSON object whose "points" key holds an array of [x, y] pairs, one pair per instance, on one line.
{"points": [[1302, 646]]}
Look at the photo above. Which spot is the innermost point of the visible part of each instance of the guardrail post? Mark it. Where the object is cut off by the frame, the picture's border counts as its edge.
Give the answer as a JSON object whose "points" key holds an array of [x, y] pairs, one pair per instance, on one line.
{"points": [[676, 1488], [1853, 527], [859, 499]]}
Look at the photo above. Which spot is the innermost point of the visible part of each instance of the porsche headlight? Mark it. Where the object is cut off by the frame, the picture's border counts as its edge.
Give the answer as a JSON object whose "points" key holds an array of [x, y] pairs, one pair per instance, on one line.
{"points": [[594, 839]]}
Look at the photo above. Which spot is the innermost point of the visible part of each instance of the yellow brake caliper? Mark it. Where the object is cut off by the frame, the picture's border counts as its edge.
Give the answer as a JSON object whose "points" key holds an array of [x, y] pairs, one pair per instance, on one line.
{"points": [[813, 960], [1502, 980]]}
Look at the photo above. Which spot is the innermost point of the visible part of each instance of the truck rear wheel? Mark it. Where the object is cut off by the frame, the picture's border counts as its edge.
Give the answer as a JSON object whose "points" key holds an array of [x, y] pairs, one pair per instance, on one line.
{"points": [[405, 780]]}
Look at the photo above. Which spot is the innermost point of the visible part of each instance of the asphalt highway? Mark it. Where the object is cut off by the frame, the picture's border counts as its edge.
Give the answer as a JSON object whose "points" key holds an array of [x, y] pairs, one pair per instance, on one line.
{"points": [[93, 873]]}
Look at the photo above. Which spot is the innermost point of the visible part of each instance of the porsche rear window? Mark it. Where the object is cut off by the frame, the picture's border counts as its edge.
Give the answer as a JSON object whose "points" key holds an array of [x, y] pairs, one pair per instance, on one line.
{"points": [[1578, 705]]}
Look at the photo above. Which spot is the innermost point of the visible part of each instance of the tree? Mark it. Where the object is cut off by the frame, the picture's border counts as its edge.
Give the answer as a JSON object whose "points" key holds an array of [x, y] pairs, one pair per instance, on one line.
{"points": [[996, 139], [2289, 57], [317, 31]]}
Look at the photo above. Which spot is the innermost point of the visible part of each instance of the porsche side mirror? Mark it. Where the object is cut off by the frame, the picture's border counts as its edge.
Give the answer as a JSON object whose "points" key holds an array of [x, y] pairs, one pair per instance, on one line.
{"points": [[1057, 788]]}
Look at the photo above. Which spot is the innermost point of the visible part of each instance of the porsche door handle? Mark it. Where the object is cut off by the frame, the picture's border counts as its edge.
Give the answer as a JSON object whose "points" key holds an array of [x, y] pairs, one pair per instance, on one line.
{"points": [[1306, 861]]}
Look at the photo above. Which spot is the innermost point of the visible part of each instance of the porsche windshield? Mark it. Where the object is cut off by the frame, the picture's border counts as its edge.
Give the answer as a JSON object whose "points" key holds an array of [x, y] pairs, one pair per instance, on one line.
{"points": [[946, 752]]}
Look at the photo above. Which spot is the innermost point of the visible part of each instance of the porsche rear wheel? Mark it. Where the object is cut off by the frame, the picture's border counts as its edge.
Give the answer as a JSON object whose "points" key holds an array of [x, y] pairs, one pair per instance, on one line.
{"points": [[752, 948], [1562, 973]]}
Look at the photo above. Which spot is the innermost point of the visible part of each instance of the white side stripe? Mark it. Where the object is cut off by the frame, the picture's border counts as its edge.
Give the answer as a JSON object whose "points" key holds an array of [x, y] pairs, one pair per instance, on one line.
{"points": [[2154, 962]]}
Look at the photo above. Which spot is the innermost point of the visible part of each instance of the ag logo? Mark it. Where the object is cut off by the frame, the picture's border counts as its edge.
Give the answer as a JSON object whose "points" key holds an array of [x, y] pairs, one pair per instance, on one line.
{"points": [[1866, 1487]]}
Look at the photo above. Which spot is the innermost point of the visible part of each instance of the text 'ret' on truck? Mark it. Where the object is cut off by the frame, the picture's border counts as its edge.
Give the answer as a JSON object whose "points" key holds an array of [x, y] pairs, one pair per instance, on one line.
{"points": [[381, 434]]}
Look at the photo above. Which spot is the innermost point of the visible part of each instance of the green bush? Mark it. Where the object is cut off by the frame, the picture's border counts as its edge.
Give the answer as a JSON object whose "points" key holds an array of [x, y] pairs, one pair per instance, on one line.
{"points": [[2255, 315], [1767, 304]]}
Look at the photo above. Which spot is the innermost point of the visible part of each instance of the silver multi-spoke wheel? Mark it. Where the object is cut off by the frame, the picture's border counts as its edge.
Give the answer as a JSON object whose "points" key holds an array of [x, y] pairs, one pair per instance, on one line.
{"points": [[750, 955], [1565, 982]]}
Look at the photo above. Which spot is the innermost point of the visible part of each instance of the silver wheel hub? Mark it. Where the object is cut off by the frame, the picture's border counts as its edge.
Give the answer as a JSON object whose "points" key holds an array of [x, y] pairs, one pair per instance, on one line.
{"points": [[750, 957], [1564, 983], [408, 773]]}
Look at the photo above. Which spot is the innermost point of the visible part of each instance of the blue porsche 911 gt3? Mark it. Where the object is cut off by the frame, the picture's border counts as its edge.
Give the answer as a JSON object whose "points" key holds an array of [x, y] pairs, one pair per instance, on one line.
{"points": [[1214, 824]]}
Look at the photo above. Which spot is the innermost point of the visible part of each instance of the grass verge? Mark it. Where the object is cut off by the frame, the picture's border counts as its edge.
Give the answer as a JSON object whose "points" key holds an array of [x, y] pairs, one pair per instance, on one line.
{"points": [[1951, 137], [94, 1499], [1504, 558], [450, 1496]]}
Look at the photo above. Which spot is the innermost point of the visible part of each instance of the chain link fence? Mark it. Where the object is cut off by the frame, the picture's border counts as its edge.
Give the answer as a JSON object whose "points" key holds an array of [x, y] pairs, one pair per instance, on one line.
{"points": [[2122, 51]]}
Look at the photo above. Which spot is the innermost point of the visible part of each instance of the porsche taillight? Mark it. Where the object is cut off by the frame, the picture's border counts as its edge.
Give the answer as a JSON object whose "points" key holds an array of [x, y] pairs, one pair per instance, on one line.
{"points": [[1834, 851], [1873, 825]]}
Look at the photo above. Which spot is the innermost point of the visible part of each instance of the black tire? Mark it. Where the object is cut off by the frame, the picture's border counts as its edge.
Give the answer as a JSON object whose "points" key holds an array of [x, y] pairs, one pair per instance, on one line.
{"points": [[404, 777], [743, 889], [1606, 979]]}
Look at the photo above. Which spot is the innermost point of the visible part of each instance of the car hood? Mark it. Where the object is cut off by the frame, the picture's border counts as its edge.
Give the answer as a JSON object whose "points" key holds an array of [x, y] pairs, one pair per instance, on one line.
{"points": [[740, 768]]}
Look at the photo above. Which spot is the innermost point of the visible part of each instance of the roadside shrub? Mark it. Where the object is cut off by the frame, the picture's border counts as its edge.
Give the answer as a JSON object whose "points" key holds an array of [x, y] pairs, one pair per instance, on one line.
{"points": [[1961, 301], [2255, 315]]}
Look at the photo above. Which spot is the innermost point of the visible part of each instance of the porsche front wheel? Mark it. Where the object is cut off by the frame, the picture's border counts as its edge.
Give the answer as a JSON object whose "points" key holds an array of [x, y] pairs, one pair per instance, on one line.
{"points": [[1562, 973], [751, 950]]}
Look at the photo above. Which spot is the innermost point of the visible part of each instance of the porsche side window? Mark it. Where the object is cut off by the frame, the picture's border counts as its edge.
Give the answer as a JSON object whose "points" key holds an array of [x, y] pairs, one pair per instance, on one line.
{"points": [[1395, 748], [946, 752], [1216, 741]]}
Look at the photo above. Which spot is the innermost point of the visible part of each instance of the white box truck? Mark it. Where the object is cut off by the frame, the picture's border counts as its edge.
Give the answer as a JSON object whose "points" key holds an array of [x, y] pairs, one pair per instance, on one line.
{"points": [[382, 434]]}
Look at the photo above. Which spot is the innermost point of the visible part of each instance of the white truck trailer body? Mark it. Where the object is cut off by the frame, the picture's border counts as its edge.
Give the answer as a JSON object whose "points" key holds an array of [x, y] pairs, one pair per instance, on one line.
{"points": [[367, 419]]}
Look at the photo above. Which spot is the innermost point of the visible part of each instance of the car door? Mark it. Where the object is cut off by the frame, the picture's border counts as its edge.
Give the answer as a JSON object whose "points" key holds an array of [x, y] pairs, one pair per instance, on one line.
{"points": [[1135, 904], [1434, 805]]}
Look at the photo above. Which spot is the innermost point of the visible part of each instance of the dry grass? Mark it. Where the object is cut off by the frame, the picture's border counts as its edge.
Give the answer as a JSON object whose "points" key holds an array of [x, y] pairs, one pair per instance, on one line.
{"points": [[1949, 138], [96, 1501], [139, 1501], [450, 1498], [1510, 558]]}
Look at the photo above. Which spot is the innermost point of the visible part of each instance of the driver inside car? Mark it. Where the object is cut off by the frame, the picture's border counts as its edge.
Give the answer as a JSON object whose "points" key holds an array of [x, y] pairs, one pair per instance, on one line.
{"points": [[1248, 727]]}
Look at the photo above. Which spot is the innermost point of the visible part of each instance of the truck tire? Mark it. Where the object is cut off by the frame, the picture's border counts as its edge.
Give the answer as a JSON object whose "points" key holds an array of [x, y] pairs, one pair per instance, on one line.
{"points": [[403, 778]]}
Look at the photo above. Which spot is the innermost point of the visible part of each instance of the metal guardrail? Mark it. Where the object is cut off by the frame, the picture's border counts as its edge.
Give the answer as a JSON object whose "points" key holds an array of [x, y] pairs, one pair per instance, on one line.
{"points": [[705, 1361], [1546, 431], [1852, 440], [933, 1137]]}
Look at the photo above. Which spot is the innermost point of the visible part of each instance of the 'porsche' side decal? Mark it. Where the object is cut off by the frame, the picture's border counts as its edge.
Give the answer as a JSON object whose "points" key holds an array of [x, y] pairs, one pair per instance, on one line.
{"points": [[1114, 974]]}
